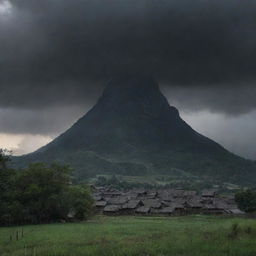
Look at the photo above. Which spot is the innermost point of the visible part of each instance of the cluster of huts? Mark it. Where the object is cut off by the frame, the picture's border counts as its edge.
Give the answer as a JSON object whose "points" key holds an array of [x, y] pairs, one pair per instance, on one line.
{"points": [[110, 201]]}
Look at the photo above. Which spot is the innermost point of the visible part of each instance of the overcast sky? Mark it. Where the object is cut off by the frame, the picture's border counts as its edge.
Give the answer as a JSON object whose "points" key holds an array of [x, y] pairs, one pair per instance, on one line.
{"points": [[56, 56]]}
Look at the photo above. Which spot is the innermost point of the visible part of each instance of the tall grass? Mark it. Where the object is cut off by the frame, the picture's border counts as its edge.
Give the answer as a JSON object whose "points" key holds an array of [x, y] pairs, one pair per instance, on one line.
{"points": [[140, 236]]}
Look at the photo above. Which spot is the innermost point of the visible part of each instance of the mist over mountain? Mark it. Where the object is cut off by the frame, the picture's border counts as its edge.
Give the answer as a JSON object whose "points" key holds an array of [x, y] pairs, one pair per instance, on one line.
{"points": [[132, 130]]}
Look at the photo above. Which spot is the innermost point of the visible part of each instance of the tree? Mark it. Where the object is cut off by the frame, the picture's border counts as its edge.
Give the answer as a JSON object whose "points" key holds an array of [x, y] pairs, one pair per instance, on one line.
{"points": [[246, 200], [4, 158], [39, 189], [80, 202], [6, 186], [41, 193]]}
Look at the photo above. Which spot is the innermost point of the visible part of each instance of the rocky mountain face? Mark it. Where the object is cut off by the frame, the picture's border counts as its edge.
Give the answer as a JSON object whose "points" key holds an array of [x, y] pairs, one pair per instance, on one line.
{"points": [[132, 130]]}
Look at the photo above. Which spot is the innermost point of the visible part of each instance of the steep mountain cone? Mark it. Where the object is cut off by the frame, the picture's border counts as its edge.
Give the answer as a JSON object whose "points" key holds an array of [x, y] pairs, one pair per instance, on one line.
{"points": [[132, 130]]}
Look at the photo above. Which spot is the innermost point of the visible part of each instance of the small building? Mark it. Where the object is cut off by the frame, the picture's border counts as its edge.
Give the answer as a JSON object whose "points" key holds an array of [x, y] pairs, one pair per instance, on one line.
{"points": [[167, 198], [193, 206], [152, 203], [120, 200], [152, 194], [209, 193], [220, 203], [130, 206], [213, 209], [189, 194], [178, 209], [112, 209], [99, 206], [142, 210], [178, 193], [167, 210], [101, 203], [180, 201]]}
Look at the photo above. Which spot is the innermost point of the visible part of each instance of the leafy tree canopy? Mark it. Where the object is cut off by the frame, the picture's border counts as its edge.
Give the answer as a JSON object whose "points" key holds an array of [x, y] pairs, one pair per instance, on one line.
{"points": [[4, 158], [41, 193], [246, 200]]}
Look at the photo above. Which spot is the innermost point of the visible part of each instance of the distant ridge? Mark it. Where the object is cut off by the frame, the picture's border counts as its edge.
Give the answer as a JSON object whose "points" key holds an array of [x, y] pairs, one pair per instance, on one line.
{"points": [[132, 130]]}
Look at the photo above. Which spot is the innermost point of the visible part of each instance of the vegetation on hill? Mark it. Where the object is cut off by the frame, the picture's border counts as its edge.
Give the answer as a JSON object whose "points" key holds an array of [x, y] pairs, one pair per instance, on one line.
{"points": [[152, 181], [134, 236], [132, 130], [40, 193]]}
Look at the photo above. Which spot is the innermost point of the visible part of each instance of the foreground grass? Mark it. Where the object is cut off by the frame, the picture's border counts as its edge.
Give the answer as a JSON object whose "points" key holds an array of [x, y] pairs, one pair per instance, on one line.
{"points": [[142, 236]]}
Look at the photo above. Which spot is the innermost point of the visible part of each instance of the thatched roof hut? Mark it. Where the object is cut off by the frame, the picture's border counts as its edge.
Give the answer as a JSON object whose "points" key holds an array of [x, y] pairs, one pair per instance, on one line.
{"points": [[166, 210], [112, 209], [152, 203], [142, 210], [152, 194], [120, 200], [132, 204], [178, 193], [177, 206], [193, 204], [101, 203], [189, 194]]}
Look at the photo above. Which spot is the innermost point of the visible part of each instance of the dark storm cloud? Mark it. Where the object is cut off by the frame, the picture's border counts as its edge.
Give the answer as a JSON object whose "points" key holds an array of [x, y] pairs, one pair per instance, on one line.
{"points": [[47, 122], [226, 99], [60, 52]]}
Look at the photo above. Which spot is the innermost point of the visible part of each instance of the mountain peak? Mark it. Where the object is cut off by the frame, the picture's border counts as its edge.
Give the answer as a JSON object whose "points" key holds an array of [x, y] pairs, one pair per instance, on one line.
{"points": [[133, 129], [134, 95]]}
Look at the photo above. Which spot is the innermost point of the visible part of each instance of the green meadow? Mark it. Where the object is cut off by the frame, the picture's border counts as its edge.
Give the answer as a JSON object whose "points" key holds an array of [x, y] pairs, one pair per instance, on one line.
{"points": [[142, 236]]}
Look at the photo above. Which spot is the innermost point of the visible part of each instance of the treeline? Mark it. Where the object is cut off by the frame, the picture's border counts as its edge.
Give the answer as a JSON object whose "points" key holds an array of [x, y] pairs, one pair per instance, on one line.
{"points": [[40, 194]]}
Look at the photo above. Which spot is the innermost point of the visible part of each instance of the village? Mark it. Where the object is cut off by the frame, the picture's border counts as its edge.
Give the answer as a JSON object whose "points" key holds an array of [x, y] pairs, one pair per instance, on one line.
{"points": [[174, 202]]}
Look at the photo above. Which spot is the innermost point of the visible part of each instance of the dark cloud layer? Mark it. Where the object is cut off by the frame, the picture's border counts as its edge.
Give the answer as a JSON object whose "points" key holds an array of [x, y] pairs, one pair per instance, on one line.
{"points": [[45, 122], [226, 99], [60, 52]]}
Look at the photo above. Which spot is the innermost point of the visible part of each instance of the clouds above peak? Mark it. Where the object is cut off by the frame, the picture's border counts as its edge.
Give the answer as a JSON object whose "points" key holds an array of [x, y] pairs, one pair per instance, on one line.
{"points": [[57, 52], [57, 55]]}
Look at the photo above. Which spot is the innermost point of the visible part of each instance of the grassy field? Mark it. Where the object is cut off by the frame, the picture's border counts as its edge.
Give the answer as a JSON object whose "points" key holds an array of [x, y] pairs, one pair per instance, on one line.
{"points": [[142, 236]]}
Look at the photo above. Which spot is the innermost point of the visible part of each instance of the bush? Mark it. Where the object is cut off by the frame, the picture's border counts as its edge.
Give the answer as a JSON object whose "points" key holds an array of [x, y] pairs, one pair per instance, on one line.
{"points": [[248, 230], [246, 200], [234, 231]]}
